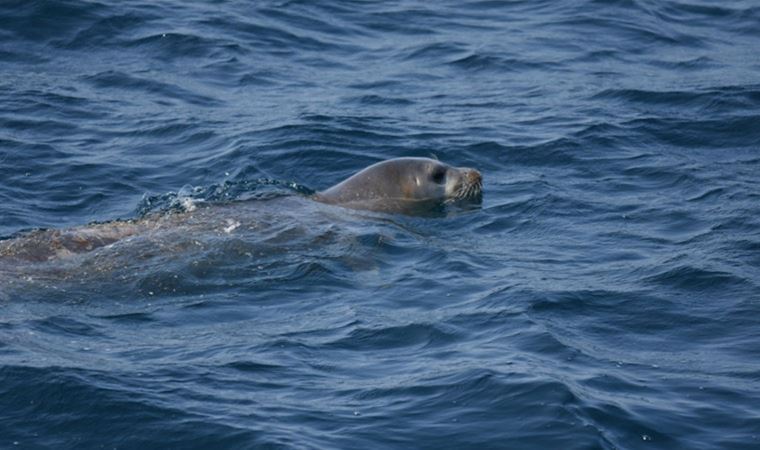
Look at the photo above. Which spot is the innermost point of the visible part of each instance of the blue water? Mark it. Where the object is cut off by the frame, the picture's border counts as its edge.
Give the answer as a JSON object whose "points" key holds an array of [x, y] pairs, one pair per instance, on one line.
{"points": [[605, 295]]}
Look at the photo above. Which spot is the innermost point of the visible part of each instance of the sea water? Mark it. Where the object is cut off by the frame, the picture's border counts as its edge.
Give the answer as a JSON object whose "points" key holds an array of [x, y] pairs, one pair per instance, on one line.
{"points": [[605, 295]]}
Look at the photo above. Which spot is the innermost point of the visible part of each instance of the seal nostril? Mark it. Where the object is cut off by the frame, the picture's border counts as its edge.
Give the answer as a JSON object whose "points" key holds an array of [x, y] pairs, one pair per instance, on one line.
{"points": [[474, 176]]}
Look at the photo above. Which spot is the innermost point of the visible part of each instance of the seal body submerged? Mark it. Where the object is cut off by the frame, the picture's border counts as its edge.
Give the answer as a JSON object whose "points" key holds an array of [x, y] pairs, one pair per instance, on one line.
{"points": [[405, 185], [415, 186]]}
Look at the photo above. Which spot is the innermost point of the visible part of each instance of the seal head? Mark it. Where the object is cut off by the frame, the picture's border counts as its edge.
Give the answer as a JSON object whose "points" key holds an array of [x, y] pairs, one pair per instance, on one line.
{"points": [[406, 185]]}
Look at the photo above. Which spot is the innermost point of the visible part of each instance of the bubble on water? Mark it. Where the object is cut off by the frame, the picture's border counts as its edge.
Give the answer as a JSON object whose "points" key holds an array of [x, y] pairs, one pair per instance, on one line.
{"points": [[187, 204], [231, 225]]}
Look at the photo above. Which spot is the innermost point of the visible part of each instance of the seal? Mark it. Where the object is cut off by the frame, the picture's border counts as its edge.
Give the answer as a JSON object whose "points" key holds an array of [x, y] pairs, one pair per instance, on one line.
{"points": [[413, 186], [406, 185]]}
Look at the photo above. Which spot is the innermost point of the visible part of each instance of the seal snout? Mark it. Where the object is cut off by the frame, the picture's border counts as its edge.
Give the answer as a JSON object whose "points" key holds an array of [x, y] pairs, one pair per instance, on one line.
{"points": [[469, 186], [473, 176]]}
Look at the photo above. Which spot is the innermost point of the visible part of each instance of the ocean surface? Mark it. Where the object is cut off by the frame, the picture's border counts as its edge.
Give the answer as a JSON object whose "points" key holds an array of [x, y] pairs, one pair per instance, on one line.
{"points": [[605, 295]]}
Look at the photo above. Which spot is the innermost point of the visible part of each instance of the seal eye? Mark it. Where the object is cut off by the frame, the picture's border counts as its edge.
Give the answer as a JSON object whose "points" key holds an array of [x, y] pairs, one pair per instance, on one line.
{"points": [[438, 175]]}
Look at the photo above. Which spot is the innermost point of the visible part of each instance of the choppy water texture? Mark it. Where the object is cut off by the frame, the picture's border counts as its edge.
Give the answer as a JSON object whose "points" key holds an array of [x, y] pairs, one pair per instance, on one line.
{"points": [[605, 295]]}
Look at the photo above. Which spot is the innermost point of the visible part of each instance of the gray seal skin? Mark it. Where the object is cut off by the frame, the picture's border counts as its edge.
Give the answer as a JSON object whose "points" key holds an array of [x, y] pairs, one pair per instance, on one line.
{"points": [[407, 186]]}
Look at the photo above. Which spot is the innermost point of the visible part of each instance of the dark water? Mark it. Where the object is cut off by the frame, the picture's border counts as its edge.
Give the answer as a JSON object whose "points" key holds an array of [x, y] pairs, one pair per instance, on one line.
{"points": [[605, 295]]}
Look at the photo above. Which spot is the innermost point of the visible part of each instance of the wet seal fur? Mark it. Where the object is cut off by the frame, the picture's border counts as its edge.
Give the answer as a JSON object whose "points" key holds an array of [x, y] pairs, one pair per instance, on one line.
{"points": [[406, 185]]}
